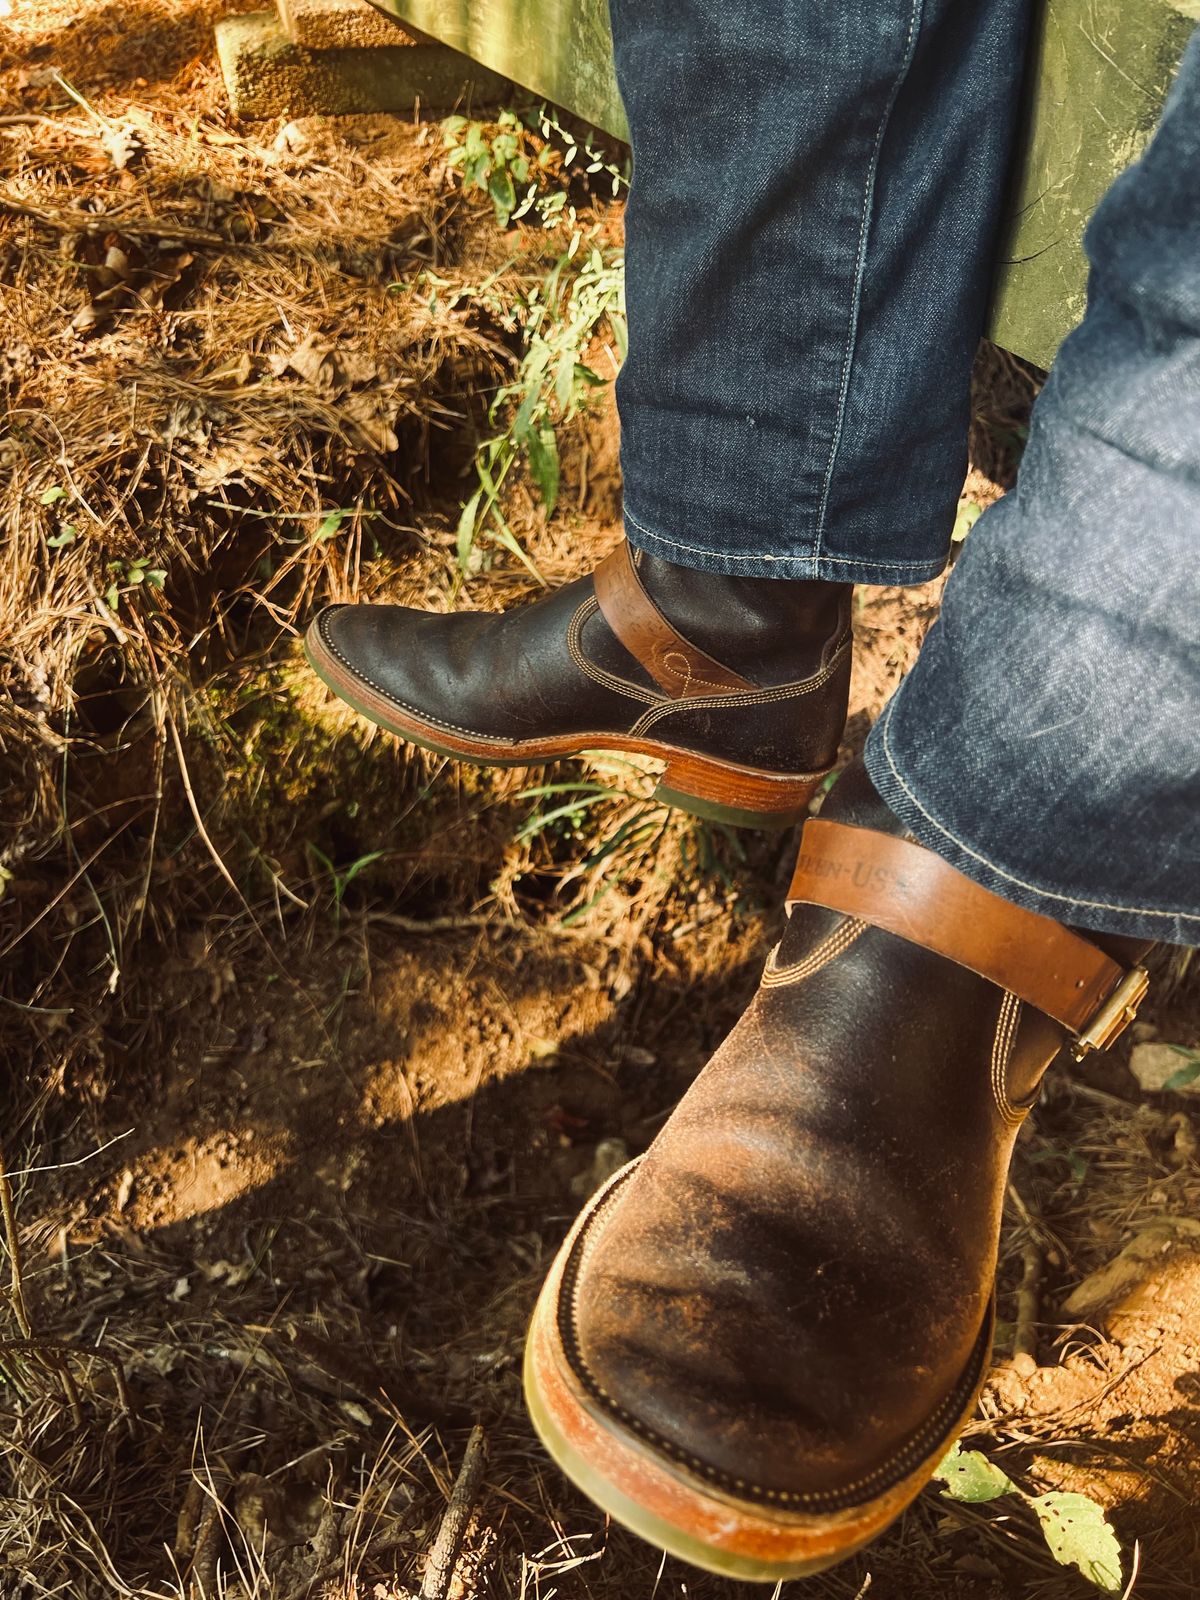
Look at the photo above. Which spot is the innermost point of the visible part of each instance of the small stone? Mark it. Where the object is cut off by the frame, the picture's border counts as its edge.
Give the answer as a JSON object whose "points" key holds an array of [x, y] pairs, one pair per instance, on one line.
{"points": [[609, 1156], [1154, 1064], [290, 139], [1132, 1266], [1024, 1365]]}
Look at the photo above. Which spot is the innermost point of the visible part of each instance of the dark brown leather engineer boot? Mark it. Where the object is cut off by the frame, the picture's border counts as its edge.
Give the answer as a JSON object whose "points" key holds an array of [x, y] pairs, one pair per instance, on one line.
{"points": [[739, 684], [761, 1336]]}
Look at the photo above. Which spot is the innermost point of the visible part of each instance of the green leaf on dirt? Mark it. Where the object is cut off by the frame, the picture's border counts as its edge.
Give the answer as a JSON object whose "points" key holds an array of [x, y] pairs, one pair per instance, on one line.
{"points": [[1187, 1073], [971, 1477], [504, 196], [969, 513], [51, 497], [542, 448], [466, 528], [329, 526], [1079, 1535], [67, 534]]}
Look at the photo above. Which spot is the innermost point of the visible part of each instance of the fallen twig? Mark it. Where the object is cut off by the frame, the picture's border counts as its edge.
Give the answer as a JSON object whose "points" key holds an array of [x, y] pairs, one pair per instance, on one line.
{"points": [[442, 1559], [57, 1354], [106, 222], [1028, 1296], [16, 1289]]}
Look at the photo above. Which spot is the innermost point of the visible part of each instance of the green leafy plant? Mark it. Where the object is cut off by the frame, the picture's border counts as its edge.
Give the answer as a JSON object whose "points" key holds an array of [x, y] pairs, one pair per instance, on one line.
{"points": [[1188, 1073], [558, 318], [969, 513], [496, 157], [127, 576], [340, 878], [1075, 1529], [67, 532]]}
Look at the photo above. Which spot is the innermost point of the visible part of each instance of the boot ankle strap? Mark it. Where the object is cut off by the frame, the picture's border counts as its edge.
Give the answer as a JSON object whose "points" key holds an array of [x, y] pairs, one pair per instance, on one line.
{"points": [[679, 667], [906, 890]]}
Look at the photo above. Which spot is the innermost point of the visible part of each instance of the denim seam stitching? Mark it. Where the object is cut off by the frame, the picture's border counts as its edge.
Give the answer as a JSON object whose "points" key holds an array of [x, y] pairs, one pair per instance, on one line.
{"points": [[860, 267], [933, 566], [885, 723]]}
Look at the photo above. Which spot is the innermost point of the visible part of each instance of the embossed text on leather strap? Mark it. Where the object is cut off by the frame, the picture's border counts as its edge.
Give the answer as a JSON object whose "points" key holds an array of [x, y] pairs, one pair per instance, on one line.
{"points": [[909, 891], [678, 667]]}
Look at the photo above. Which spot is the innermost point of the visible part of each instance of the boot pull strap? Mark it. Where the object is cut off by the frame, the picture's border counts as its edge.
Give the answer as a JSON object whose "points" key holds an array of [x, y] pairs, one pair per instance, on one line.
{"points": [[677, 666], [906, 890]]}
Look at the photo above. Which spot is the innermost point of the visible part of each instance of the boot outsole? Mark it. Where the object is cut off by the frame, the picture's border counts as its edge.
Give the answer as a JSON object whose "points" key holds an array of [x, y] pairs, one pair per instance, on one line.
{"points": [[680, 1513], [739, 797]]}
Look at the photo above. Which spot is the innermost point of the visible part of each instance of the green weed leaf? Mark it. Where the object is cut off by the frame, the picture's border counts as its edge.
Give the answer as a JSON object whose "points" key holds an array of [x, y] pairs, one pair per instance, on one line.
{"points": [[51, 497], [329, 526], [504, 195], [1186, 1074], [543, 465], [466, 528], [971, 1477], [1079, 1535], [969, 513], [67, 534]]}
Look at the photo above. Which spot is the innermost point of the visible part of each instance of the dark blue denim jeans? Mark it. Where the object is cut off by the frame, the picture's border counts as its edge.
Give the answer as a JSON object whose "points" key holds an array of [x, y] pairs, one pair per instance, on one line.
{"points": [[808, 240], [1047, 742]]}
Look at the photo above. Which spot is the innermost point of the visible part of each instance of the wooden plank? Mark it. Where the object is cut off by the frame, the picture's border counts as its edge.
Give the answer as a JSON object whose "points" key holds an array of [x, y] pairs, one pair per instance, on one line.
{"points": [[1099, 78], [560, 50]]}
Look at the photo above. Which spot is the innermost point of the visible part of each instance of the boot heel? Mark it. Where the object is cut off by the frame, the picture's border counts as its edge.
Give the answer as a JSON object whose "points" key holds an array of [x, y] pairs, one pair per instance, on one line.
{"points": [[734, 795]]}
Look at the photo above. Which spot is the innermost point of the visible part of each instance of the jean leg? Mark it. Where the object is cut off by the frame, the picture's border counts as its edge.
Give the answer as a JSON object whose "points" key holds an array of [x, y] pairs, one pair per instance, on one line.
{"points": [[809, 245], [1047, 742]]}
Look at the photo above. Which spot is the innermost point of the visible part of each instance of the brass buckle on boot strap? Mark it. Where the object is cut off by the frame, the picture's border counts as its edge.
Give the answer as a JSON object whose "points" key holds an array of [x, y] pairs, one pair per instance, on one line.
{"points": [[907, 890], [1114, 1016]]}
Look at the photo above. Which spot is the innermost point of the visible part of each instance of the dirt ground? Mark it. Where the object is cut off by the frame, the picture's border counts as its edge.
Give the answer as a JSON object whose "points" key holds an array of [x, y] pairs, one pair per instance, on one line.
{"points": [[316, 1044]]}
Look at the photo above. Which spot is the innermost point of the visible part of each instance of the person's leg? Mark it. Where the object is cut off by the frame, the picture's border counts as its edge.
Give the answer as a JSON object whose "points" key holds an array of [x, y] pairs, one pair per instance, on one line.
{"points": [[809, 237], [761, 1338], [809, 248], [1047, 742]]}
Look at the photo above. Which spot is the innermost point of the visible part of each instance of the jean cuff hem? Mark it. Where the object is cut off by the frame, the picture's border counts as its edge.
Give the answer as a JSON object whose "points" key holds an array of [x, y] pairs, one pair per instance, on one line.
{"points": [[831, 569], [903, 796]]}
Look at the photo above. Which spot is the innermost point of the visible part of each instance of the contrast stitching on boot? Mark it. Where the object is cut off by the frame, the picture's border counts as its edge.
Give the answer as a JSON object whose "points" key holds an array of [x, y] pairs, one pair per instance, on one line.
{"points": [[454, 727], [759, 697], [836, 944], [586, 611], [910, 1455], [401, 705], [860, 263], [684, 673], [1002, 1044]]}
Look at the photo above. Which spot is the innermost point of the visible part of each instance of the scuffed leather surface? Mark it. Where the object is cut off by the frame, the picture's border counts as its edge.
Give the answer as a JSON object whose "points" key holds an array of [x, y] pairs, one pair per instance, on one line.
{"points": [[510, 676], [500, 675], [794, 1278]]}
